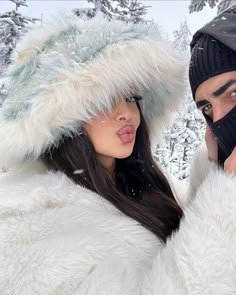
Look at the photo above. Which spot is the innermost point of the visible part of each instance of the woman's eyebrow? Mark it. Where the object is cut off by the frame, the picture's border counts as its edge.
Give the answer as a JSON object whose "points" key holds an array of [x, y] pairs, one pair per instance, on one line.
{"points": [[223, 88]]}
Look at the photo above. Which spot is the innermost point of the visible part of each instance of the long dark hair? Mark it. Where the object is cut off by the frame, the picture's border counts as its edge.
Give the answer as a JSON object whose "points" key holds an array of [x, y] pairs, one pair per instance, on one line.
{"points": [[139, 188]]}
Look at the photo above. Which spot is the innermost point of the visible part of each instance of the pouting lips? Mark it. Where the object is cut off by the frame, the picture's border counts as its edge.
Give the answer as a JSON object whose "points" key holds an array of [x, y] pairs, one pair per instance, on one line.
{"points": [[126, 134]]}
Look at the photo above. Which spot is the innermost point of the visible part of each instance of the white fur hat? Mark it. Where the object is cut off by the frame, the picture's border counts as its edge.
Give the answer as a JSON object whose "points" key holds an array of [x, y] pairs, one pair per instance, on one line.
{"points": [[68, 70]]}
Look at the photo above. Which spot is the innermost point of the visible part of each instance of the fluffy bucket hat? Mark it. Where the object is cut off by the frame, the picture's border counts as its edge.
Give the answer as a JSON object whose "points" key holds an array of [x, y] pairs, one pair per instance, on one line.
{"points": [[68, 70]]}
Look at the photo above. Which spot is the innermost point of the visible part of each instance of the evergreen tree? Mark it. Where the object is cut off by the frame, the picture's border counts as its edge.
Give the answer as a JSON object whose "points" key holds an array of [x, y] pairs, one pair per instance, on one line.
{"points": [[198, 5], [12, 25], [125, 10], [131, 11], [225, 4], [182, 38], [182, 138]]}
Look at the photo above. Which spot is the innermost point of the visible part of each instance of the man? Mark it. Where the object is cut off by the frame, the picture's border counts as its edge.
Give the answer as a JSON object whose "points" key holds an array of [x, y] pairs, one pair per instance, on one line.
{"points": [[212, 75]]}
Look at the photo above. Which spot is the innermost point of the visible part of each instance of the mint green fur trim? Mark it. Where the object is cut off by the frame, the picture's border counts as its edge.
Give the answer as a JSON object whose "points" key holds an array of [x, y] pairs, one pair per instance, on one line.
{"points": [[68, 49]]}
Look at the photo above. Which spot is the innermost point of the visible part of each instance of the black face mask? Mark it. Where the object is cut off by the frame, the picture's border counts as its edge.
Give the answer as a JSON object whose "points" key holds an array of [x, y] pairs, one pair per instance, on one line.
{"points": [[225, 133]]}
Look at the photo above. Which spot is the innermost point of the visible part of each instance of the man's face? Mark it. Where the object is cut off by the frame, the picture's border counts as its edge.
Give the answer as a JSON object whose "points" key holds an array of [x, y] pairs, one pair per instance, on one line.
{"points": [[216, 96]]}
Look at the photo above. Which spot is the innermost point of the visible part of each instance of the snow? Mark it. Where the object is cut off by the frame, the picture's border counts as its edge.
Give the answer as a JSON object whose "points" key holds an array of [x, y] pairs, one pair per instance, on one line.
{"points": [[198, 5], [12, 26], [182, 38], [180, 141], [128, 11], [78, 171]]}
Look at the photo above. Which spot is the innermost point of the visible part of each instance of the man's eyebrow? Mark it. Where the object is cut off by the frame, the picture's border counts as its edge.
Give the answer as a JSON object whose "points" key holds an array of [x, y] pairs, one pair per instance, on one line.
{"points": [[223, 88], [201, 103]]}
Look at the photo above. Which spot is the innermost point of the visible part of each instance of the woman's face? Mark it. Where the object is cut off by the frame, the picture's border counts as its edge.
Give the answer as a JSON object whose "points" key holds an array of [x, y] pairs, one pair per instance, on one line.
{"points": [[113, 135]]}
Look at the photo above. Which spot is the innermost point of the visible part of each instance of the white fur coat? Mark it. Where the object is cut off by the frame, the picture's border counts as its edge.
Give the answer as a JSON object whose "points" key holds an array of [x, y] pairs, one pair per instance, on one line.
{"points": [[57, 238]]}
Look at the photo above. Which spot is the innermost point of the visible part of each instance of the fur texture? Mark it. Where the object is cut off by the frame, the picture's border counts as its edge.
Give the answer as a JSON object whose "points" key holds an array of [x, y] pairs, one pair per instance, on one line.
{"points": [[69, 70], [57, 238], [199, 169]]}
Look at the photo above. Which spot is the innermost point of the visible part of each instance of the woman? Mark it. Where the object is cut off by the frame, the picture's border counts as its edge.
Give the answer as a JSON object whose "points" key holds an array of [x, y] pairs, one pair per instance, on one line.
{"points": [[84, 209]]}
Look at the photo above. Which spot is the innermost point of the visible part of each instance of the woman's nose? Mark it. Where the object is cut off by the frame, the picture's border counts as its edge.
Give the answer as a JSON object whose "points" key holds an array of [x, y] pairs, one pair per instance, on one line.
{"points": [[123, 112], [122, 117]]}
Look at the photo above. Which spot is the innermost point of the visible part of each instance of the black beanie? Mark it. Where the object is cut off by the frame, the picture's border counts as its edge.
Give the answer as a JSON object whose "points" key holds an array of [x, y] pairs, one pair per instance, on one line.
{"points": [[209, 57]]}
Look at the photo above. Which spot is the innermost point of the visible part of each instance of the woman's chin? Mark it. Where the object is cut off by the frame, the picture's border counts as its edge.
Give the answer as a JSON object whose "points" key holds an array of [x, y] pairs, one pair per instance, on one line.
{"points": [[124, 155]]}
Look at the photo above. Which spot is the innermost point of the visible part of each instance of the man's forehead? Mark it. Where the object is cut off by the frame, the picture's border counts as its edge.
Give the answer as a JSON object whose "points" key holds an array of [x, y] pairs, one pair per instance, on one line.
{"points": [[214, 84]]}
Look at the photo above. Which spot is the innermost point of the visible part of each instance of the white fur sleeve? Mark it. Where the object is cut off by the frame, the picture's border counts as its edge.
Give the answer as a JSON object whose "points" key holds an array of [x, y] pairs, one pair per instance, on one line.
{"points": [[200, 257], [199, 169]]}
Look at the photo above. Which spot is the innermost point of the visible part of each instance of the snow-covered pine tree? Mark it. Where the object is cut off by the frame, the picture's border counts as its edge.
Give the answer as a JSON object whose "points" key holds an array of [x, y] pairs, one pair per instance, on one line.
{"points": [[181, 139], [187, 131], [131, 11], [224, 5], [103, 6], [19, 3], [126, 10], [182, 38], [198, 5], [12, 25]]}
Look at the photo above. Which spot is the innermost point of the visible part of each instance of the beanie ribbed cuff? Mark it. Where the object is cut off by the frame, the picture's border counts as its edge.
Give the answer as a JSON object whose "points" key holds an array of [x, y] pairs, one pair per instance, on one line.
{"points": [[209, 58]]}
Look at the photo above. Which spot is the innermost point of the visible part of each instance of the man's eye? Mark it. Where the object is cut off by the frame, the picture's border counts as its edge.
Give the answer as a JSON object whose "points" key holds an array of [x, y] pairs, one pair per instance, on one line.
{"points": [[233, 93], [133, 98], [206, 108]]}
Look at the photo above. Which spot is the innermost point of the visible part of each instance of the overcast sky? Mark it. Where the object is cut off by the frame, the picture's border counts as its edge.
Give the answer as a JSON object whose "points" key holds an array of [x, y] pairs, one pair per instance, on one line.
{"points": [[167, 13]]}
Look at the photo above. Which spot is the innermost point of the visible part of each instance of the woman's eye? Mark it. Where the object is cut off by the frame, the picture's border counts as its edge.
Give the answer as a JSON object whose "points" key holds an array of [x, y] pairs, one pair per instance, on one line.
{"points": [[206, 108], [133, 98]]}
